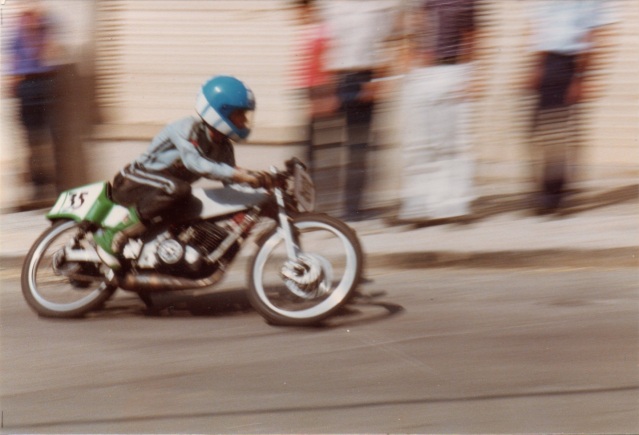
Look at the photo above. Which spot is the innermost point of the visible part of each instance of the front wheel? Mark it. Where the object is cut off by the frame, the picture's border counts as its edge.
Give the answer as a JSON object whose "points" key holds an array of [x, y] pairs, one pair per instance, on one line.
{"points": [[312, 287], [55, 288]]}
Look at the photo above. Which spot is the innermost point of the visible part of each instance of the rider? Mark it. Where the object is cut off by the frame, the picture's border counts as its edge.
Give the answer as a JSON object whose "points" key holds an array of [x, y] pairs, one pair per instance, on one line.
{"points": [[180, 154]]}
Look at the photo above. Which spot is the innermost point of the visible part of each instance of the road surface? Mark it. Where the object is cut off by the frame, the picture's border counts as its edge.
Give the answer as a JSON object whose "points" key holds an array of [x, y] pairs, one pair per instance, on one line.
{"points": [[434, 351]]}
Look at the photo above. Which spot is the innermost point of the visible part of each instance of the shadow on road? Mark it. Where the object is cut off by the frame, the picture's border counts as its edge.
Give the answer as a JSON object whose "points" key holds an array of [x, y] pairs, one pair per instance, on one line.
{"points": [[362, 311], [177, 304], [234, 302]]}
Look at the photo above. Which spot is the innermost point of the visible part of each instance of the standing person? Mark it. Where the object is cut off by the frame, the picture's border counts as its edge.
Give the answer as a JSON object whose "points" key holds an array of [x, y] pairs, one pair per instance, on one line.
{"points": [[34, 83], [564, 37], [436, 147], [314, 79], [358, 30]]}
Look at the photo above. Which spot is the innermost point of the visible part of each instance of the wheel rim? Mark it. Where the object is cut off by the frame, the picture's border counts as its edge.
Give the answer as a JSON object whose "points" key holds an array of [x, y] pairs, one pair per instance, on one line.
{"points": [[55, 292], [338, 254]]}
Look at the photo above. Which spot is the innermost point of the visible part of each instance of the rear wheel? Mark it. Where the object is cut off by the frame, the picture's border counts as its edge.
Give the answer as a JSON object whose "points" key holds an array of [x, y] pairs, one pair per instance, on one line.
{"points": [[311, 288], [54, 287]]}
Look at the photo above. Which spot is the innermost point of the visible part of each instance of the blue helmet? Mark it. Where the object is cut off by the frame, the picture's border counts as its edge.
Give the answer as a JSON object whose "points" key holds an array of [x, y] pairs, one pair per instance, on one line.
{"points": [[218, 101]]}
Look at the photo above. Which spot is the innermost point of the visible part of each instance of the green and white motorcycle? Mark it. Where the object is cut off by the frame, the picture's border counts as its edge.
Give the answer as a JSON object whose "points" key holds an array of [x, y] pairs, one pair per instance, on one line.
{"points": [[307, 265]]}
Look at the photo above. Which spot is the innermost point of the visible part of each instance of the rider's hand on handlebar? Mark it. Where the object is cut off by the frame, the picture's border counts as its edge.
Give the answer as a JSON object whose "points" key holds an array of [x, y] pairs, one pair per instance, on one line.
{"points": [[254, 179], [265, 179]]}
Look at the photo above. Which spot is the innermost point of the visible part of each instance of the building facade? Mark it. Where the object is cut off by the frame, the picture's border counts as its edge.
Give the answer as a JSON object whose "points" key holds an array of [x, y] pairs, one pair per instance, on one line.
{"points": [[149, 58]]}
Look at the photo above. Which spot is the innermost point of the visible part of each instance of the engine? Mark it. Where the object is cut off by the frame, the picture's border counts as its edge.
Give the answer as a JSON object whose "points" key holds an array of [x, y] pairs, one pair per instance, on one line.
{"points": [[205, 236], [185, 254]]}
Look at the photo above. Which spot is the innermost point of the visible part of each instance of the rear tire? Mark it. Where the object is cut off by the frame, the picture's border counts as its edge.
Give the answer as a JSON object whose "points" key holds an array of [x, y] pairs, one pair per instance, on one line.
{"points": [[55, 295], [331, 248]]}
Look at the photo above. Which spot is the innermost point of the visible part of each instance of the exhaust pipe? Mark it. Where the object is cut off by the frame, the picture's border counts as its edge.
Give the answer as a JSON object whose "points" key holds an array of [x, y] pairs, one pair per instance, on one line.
{"points": [[154, 282], [81, 255]]}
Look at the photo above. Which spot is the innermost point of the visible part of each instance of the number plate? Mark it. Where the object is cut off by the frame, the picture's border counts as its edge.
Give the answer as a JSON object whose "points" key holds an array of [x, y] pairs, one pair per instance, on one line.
{"points": [[304, 189], [77, 202]]}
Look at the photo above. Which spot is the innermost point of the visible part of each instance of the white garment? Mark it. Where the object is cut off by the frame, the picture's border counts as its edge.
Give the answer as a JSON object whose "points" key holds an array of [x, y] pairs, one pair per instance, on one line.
{"points": [[358, 29], [562, 26], [438, 167]]}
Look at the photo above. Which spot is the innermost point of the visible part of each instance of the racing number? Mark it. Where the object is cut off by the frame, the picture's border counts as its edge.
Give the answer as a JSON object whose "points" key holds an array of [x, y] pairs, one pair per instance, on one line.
{"points": [[77, 199]]}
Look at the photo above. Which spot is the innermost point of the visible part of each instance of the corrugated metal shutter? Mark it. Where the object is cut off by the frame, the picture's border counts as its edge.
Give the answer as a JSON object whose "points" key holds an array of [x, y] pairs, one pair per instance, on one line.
{"points": [[502, 115], [153, 55], [615, 120]]}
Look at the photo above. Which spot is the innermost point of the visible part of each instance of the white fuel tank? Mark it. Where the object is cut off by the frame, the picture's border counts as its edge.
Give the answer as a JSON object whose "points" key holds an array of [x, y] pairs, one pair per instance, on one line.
{"points": [[226, 200]]}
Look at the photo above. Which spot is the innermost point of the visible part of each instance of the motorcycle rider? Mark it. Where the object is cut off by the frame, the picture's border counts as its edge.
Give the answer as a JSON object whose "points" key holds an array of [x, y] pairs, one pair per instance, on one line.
{"points": [[183, 152]]}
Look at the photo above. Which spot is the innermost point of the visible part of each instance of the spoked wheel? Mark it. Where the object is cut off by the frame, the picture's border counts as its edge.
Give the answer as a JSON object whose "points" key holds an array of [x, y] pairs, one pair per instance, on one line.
{"points": [[54, 287], [312, 287]]}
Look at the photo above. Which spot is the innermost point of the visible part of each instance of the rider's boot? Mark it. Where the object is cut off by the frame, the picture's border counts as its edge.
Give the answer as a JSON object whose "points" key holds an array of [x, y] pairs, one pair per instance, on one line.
{"points": [[111, 241]]}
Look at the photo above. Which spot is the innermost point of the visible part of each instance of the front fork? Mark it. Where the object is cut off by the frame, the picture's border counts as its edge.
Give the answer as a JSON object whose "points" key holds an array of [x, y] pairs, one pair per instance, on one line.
{"points": [[291, 240]]}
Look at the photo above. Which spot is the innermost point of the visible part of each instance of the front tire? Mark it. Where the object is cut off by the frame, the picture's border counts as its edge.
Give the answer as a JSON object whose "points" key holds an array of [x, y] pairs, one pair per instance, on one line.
{"points": [[333, 260], [52, 294]]}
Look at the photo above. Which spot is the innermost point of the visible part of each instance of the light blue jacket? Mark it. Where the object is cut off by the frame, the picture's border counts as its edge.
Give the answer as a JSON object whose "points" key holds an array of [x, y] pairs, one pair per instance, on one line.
{"points": [[184, 150]]}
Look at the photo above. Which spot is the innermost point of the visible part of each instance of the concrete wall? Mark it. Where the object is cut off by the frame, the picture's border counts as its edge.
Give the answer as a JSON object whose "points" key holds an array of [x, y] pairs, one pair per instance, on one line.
{"points": [[263, 31]]}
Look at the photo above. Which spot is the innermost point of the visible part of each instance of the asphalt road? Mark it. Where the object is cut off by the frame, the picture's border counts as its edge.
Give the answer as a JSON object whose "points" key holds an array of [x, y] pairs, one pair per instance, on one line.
{"points": [[438, 351]]}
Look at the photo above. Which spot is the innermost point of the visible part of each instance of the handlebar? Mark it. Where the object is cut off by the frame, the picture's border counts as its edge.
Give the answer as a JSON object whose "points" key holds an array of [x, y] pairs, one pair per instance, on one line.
{"points": [[278, 178], [291, 163]]}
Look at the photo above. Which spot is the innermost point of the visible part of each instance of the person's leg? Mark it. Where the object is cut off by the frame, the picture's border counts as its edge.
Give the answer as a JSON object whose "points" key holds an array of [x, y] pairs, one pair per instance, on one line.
{"points": [[358, 139], [40, 167], [34, 115], [359, 115], [551, 133], [149, 197], [150, 192]]}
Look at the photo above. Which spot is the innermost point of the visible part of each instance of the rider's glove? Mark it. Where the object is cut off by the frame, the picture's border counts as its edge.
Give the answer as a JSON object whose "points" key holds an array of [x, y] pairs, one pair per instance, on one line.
{"points": [[252, 178], [263, 179]]}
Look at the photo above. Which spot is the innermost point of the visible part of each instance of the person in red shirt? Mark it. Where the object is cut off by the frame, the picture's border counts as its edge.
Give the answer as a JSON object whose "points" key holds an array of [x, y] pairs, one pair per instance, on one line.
{"points": [[313, 77]]}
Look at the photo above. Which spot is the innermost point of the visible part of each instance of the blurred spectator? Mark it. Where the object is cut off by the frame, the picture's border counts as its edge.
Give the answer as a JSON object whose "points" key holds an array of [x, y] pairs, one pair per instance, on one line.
{"points": [[564, 34], [358, 32], [55, 105], [314, 79], [33, 78], [438, 166]]}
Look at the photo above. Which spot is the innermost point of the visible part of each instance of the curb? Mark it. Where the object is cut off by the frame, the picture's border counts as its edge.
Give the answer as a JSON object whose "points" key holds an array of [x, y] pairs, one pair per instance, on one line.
{"points": [[542, 258]]}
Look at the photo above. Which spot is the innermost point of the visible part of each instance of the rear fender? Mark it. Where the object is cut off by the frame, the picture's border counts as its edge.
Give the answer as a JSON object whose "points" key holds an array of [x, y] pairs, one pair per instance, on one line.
{"points": [[91, 203]]}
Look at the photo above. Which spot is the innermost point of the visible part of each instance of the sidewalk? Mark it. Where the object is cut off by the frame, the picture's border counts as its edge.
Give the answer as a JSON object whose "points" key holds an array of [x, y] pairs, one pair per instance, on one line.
{"points": [[600, 229]]}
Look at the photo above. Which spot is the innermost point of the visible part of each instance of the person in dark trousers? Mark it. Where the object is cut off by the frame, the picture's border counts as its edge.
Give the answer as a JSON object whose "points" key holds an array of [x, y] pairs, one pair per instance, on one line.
{"points": [[565, 35], [34, 85], [358, 30]]}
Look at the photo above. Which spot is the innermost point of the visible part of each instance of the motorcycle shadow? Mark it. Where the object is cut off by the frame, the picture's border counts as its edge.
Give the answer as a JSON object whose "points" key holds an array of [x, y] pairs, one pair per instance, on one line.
{"points": [[175, 304], [363, 309], [197, 304]]}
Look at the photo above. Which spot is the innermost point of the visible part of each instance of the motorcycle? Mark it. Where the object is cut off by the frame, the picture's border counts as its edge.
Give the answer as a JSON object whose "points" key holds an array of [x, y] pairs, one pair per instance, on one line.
{"points": [[306, 267]]}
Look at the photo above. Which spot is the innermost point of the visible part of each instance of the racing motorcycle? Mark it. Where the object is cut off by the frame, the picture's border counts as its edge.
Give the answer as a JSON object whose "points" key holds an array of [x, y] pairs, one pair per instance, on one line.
{"points": [[307, 265]]}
